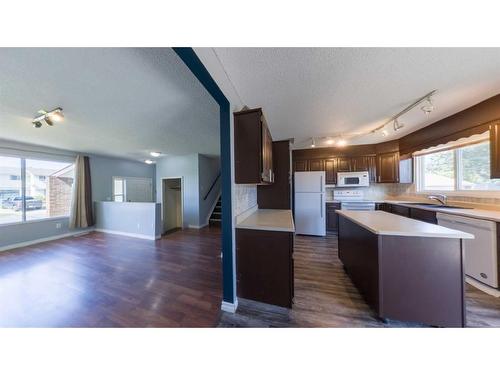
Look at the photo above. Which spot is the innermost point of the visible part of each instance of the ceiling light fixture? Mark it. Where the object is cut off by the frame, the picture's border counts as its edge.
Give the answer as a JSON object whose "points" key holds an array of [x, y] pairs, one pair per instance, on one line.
{"points": [[330, 141], [155, 154], [341, 142], [50, 117], [385, 133], [148, 161], [397, 125], [429, 107], [313, 144]]}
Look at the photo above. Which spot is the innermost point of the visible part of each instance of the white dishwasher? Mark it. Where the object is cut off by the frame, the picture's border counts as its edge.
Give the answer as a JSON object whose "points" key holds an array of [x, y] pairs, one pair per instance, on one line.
{"points": [[480, 252]]}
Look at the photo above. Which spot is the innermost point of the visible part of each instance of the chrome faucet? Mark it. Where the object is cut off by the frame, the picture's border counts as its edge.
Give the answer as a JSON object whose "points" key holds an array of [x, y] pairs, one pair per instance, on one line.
{"points": [[441, 198]]}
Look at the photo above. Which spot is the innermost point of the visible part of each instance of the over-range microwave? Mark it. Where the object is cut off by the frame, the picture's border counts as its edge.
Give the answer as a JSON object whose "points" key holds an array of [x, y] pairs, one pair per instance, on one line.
{"points": [[353, 179]]}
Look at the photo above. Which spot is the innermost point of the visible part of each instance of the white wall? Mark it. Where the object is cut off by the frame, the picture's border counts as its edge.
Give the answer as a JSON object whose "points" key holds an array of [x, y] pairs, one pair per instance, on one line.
{"points": [[187, 168], [197, 172]]}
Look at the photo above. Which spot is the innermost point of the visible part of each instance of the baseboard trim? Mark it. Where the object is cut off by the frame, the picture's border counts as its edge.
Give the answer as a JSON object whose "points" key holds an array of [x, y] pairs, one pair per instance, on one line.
{"points": [[135, 235], [229, 307], [45, 239]]}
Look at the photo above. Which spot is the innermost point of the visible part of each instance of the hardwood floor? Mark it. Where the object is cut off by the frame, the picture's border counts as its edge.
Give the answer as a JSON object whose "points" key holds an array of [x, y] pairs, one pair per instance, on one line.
{"points": [[103, 280], [326, 297]]}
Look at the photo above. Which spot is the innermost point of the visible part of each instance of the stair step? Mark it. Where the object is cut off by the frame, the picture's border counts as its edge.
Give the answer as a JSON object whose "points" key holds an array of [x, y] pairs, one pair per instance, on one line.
{"points": [[216, 215]]}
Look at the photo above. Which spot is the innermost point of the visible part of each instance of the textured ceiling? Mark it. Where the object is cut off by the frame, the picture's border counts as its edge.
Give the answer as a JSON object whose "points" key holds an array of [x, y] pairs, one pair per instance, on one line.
{"points": [[120, 102], [316, 92]]}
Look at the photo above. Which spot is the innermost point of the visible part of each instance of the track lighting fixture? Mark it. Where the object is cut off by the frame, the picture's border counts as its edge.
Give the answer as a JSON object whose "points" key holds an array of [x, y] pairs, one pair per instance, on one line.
{"points": [[384, 128], [429, 107], [50, 117], [397, 125]]}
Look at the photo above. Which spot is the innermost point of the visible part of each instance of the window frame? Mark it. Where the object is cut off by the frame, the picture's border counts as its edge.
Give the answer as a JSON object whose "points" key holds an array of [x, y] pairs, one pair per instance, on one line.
{"points": [[23, 187], [457, 165]]}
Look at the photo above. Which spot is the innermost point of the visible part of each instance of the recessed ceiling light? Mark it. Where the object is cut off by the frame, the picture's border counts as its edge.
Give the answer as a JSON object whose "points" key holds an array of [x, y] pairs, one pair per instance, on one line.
{"points": [[148, 161], [155, 154]]}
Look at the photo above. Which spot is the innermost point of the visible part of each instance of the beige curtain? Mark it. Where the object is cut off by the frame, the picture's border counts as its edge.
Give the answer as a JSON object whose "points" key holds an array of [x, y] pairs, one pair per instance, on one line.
{"points": [[81, 207]]}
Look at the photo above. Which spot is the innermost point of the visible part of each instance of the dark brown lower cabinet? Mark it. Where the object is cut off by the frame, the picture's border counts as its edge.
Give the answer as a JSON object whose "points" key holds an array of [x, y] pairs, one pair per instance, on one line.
{"points": [[332, 218], [264, 266], [400, 210], [423, 215], [415, 279]]}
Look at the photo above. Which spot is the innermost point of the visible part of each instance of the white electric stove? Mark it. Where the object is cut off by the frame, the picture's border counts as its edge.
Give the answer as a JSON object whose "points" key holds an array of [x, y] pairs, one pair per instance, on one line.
{"points": [[353, 200]]}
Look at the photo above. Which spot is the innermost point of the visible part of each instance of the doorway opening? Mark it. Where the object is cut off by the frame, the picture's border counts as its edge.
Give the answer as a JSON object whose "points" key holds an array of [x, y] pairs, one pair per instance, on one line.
{"points": [[172, 204]]}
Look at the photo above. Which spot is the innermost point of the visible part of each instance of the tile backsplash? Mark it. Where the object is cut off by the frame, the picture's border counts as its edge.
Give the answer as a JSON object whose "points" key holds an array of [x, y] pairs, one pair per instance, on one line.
{"points": [[245, 197]]}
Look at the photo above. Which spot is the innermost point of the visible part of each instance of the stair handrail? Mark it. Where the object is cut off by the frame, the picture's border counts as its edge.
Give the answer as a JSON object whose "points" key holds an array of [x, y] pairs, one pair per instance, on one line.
{"points": [[211, 187]]}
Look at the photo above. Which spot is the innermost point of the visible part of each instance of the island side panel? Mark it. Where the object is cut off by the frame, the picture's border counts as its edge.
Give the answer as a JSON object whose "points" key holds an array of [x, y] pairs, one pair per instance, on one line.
{"points": [[264, 266], [358, 252], [422, 280]]}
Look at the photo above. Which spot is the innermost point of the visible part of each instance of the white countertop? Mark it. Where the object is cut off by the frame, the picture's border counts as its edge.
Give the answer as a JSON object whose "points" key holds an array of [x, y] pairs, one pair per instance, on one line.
{"points": [[468, 212], [265, 219], [384, 223]]}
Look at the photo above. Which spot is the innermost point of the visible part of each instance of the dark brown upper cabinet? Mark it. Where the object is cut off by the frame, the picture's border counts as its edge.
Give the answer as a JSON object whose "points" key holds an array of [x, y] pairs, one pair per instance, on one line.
{"points": [[253, 148], [495, 150], [317, 165], [343, 164], [331, 171], [365, 163], [388, 167], [300, 165]]}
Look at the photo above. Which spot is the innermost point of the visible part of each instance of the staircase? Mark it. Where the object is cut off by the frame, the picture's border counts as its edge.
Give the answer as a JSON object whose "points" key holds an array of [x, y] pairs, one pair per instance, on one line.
{"points": [[216, 217]]}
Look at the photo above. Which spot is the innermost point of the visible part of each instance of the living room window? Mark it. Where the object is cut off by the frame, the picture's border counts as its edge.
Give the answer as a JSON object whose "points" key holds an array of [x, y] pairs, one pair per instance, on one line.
{"points": [[465, 168], [43, 189]]}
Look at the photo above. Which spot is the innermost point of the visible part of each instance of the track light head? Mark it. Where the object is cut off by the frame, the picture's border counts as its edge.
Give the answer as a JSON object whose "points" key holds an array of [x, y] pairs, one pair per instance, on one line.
{"points": [[313, 144], [55, 115], [429, 107], [397, 125]]}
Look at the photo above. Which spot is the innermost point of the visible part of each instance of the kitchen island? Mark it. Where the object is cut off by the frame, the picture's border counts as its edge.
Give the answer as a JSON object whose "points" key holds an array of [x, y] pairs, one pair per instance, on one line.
{"points": [[406, 269]]}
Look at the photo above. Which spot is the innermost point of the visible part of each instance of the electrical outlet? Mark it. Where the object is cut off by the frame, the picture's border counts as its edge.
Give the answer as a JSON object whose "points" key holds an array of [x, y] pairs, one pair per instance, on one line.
{"points": [[58, 225]]}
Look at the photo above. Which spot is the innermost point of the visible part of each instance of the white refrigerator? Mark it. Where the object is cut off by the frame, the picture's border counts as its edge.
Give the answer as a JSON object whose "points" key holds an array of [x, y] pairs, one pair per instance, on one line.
{"points": [[310, 206]]}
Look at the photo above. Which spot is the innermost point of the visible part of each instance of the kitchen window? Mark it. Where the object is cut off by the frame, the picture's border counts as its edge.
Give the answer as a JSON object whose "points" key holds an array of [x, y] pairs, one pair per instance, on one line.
{"points": [[43, 190], [463, 169]]}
